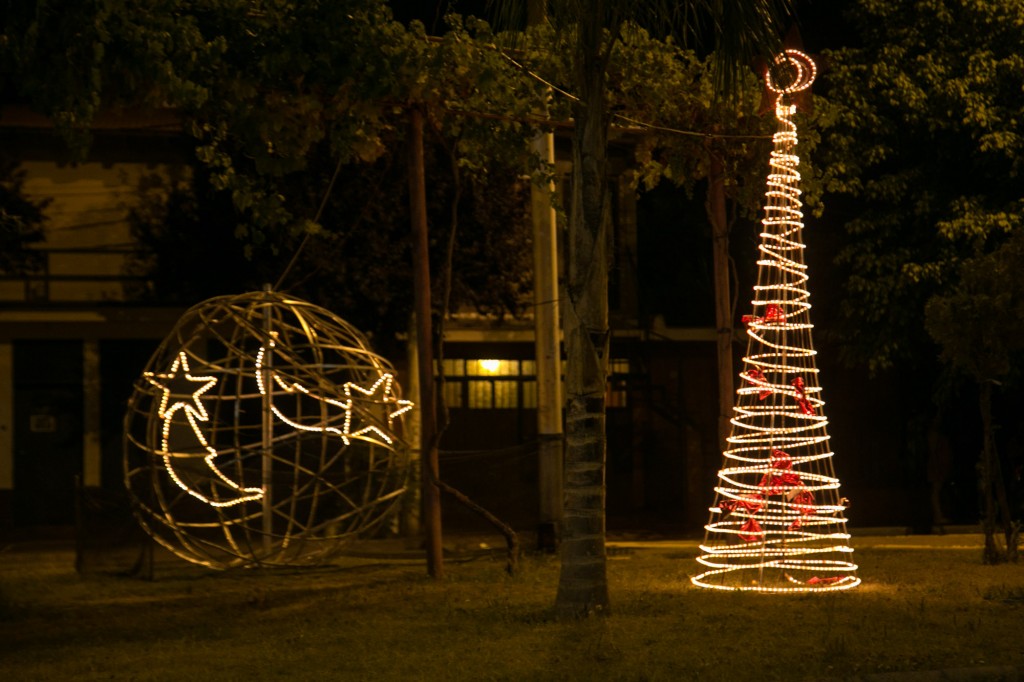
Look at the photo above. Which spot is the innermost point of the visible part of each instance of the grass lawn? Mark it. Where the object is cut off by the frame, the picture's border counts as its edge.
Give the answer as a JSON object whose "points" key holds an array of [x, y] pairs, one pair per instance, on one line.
{"points": [[927, 603]]}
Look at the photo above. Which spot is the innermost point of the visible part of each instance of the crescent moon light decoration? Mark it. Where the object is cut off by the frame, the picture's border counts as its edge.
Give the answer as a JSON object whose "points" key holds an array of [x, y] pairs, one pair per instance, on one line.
{"points": [[778, 524], [194, 412]]}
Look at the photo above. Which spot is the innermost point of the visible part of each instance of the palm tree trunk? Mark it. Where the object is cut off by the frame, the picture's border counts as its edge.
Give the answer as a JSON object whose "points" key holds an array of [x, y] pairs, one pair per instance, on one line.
{"points": [[583, 583]]}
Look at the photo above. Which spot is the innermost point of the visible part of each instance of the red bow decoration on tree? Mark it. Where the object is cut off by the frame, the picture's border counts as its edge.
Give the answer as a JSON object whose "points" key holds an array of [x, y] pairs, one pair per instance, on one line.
{"points": [[803, 502], [772, 315], [776, 481], [826, 581], [801, 396], [751, 503], [779, 480], [756, 377], [751, 530]]}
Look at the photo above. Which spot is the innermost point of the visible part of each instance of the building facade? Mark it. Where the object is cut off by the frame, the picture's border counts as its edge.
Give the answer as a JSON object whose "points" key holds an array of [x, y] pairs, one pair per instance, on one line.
{"points": [[73, 340]]}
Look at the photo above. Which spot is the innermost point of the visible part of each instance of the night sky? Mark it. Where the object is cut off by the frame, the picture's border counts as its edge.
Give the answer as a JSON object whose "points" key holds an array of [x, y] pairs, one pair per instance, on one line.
{"points": [[820, 21]]}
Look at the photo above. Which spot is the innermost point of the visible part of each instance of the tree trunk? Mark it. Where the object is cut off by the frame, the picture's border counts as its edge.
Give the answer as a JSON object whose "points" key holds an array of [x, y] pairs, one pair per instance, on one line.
{"points": [[583, 583], [992, 553], [993, 489], [427, 398], [723, 300]]}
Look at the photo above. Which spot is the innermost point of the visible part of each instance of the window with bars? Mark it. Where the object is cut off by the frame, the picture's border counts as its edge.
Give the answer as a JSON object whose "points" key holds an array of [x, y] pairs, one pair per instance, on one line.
{"points": [[617, 390], [511, 384], [490, 384]]}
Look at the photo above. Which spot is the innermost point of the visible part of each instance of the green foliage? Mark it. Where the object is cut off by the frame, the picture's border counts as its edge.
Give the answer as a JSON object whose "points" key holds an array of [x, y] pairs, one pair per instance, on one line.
{"points": [[187, 248], [661, 82], [334, 80], [980, 323], [258, 84], [923, 142], [293, 75], [73, 60], [734, 32], [21, 224], [278, 97], [358, 265], [279, 94]]}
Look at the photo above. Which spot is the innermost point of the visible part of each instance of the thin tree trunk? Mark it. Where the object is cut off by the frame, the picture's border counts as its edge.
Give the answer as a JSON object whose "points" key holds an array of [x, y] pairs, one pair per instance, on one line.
{"points": [[427, 398], [723, 301], [997, 504], [1011, 529], [511, 537], [992, 554], [583, 582]]}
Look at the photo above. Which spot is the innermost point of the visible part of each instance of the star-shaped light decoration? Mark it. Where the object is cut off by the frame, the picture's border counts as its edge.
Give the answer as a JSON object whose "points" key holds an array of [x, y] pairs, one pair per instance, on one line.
{"points": [[354, 394], [383, 384], [190, 403], [193, 405]]}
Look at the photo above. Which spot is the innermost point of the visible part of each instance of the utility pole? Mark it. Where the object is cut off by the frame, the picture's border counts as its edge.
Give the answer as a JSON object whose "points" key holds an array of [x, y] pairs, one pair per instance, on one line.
{"points": [[548, 354], [547, 340]]}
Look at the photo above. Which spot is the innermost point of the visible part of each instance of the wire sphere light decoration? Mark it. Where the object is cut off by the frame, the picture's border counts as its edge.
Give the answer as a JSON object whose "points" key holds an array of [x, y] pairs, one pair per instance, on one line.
{"points": [[263, 432], [778, 523]]}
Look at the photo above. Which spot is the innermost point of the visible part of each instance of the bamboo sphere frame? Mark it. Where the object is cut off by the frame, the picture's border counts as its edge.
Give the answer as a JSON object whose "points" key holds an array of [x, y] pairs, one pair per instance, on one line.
{"points": [[264, 432]]}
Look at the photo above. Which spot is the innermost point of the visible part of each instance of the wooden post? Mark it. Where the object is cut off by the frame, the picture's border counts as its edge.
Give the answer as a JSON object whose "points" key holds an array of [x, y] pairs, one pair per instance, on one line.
{"points": [[412, 501], [424, 331], [267, 427], [92, 454]]}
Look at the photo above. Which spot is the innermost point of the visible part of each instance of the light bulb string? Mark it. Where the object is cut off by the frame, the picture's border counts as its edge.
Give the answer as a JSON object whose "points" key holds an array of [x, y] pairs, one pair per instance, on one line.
{"points": [[778, 523]]}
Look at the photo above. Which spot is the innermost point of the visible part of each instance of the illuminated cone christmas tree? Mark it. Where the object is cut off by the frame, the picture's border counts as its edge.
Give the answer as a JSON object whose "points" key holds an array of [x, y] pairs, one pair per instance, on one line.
{"points": [[778, 522]]}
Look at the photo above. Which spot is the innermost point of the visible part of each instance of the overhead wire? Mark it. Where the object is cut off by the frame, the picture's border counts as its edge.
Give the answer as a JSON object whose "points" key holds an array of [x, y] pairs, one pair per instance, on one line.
{"points": [[636, 124], [633, 121]]}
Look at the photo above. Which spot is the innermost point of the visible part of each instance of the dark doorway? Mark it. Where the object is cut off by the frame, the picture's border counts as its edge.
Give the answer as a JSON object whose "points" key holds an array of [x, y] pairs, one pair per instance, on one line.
{"points": [[121, 364], [48, 443]]}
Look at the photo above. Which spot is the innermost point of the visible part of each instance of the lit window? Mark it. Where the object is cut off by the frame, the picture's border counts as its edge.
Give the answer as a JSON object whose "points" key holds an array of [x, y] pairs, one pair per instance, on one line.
{"points": [[490, 383], [618, 383], [491, 366], [530, 394], [493, 383]]}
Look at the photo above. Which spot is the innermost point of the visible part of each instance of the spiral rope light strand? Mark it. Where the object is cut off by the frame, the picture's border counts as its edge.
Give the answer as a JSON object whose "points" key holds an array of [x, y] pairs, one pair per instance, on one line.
{"points": [[778, 523]]}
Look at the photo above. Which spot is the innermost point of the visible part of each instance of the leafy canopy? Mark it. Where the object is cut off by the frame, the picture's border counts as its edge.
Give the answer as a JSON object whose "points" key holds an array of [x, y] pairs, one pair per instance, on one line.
{"points": [[923, 155]]}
